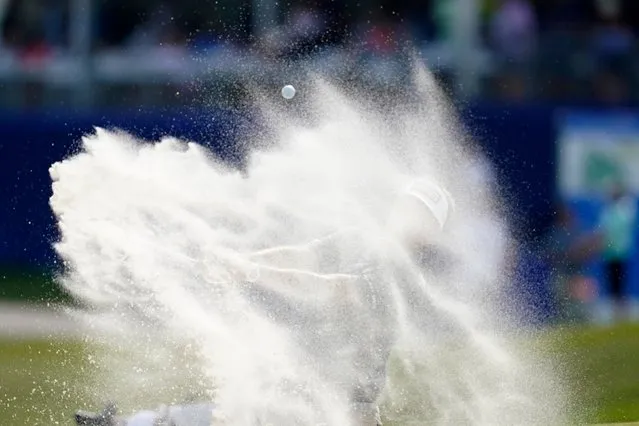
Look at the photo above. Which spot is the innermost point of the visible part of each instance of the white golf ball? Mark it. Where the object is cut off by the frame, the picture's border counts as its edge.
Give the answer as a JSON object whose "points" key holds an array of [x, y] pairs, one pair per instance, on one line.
{"points": [[288, 91]]}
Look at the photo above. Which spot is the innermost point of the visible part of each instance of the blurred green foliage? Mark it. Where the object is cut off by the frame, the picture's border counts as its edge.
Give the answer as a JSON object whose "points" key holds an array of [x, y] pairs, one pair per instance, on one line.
{"points": [[27, 285]]}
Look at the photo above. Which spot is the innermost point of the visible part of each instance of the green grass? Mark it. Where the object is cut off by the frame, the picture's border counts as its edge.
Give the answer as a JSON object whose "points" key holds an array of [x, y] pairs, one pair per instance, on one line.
{"points": [[40, 382], [43, 383], [602, 366]]}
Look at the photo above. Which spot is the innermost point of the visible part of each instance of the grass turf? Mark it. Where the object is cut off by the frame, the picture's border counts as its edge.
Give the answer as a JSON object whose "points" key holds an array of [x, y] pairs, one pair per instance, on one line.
{"points": [[603, 368], [41, 383]]}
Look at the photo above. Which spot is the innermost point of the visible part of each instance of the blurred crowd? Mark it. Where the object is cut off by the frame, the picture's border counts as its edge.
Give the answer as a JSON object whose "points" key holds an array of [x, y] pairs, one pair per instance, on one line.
{"points": [[557, 50], [592, 264]]}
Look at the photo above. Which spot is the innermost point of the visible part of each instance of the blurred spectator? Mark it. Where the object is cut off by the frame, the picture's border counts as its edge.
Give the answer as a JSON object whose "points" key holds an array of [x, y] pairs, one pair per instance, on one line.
{"points": [[117, 20], [35, 22], [417, 17], [306, 23], [611, 88], [613, 39], [513, 31], [20, 19], [308, 28], [54, 22], [570, 249], [617, 225], [159, 29], [512, 86], [304, 31], [382, 35], [561, 16]]}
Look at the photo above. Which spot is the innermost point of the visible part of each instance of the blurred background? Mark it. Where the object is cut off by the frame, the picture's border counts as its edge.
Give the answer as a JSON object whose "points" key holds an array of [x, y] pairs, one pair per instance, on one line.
{"points": [[117, 52], [548, 88]]}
